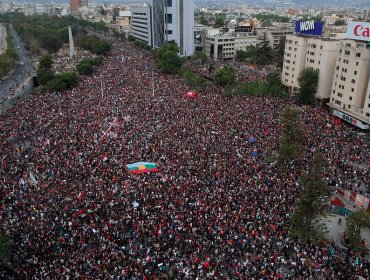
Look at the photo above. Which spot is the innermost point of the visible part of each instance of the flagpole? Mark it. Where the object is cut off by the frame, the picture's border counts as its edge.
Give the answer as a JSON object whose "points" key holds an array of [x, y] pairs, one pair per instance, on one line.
{"points": [[105, 133], [152, 83], [101, 87]]}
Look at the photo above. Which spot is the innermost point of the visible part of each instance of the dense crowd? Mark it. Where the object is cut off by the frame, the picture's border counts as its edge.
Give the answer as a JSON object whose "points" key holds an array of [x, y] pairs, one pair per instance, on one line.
{"points": [[244, 72], [217, 208]]}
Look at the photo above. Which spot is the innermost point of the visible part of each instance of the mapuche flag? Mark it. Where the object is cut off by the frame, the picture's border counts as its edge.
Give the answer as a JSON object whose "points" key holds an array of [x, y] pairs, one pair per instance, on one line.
{"points": [[142, 167]]}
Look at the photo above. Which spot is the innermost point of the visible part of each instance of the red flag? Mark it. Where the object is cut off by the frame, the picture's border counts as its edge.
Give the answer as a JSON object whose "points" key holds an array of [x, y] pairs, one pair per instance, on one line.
{"points": [[81, 195], [104, 157]]}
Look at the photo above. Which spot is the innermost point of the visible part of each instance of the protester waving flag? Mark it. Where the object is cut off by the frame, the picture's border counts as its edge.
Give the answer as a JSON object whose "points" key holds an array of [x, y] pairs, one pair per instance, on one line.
{"points": [[142, 167]]}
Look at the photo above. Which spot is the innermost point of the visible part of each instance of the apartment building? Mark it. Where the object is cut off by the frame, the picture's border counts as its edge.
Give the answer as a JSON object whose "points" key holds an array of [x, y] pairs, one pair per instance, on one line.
{"points": [[350, 92], [303, 52], [273, 36], [224, 46], [294, 60], [141, 24], [165, 21], [344, 70], [321, 55]]}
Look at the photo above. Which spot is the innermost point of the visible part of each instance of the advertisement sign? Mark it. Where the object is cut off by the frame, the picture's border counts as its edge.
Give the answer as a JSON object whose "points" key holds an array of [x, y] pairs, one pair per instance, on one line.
{"points": [[309, 27], [358, 31], [243, 28], [350, 119]]}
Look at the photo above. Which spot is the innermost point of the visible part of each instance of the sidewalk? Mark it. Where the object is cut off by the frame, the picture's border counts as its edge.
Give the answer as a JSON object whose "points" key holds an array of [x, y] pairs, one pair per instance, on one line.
{"points": [[336, 230]]}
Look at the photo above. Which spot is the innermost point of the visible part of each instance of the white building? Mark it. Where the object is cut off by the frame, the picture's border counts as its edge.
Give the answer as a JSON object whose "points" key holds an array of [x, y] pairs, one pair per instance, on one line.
{"points": [[344, 71], [165, 21], [224, 46], [351, 87], [141, 24]]}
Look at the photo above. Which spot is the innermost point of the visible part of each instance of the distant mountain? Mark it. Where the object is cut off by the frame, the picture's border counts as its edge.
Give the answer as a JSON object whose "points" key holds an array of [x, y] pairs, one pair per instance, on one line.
{"points": [[288, 3]]}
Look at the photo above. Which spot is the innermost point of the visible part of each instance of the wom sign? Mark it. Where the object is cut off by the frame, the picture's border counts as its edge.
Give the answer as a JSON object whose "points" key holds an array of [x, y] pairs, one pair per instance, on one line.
{"points": [[358, 31], [309, 27]]}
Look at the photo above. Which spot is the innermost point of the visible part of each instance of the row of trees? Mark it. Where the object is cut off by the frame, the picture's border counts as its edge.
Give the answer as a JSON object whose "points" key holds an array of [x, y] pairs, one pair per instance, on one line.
{"points": [[51, 32], [263, 54], [87, 65], [50, 80], [310, 209], [9, 58]]}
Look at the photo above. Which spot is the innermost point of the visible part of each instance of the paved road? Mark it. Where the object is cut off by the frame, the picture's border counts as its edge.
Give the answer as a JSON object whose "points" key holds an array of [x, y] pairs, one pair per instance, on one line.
{"points": [[23, 70], [2, 39]]}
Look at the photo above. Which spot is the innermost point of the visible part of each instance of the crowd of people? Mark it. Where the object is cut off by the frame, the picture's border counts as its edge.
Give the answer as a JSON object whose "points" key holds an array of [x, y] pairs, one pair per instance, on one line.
{"points": [[216, 209], [244, 72]]}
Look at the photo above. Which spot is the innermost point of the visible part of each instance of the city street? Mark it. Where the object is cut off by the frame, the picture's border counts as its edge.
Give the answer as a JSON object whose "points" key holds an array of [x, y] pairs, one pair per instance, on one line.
{"points": [[2, 39], [22, 72]]}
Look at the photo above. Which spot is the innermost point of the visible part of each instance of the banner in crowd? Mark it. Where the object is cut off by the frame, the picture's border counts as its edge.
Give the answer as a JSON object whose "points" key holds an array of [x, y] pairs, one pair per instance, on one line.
{"points": [[142, 167]]}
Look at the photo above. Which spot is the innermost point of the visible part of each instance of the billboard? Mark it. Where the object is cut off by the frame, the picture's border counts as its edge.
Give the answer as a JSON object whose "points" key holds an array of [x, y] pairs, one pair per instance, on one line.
{"points": [[350, 119], [243, 28], [358, 31], [309, 27]]}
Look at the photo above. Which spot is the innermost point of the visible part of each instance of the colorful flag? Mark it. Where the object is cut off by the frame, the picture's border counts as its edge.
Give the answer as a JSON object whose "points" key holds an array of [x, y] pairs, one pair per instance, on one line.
{"points": [[142, 167]]}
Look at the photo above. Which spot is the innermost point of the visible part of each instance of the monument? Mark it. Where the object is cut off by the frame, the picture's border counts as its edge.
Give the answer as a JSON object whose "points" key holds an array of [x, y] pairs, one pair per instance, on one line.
{"points": [[71, 45]]}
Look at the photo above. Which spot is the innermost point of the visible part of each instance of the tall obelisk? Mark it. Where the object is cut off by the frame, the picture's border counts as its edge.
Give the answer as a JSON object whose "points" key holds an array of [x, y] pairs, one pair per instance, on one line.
{"points": [[71, 45]]}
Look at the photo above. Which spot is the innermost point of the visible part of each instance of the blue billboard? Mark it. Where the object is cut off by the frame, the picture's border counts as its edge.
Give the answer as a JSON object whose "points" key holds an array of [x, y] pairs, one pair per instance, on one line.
{"points": [[309, 27]]}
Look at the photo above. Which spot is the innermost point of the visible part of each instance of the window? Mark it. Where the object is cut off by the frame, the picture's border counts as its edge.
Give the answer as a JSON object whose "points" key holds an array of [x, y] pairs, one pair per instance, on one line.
{"points": [[355, 73], [353, 81], [168, 18], [350, 98], [357, 63], [340, 94], [352, 90], [347, 52], [168, 31], [168, 3], [358, 54]]}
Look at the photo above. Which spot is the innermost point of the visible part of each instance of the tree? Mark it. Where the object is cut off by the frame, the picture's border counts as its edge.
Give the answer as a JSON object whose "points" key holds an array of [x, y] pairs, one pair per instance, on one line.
{"points": [[340, 22], [219, 22], [305, 223], [225, 76], [203, 20], [86, 66], [168, 60], [273, 84], [292, 138], [46, 61], [358, 220], [241, 55], [307, 80], [279, 53], [5, 248], [63, 81], [45, 73]]}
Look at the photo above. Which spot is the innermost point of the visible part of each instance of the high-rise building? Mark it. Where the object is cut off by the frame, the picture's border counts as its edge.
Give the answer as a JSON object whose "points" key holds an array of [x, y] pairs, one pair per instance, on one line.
{"points": [[75, 5], [344, 70], [165, 21]]}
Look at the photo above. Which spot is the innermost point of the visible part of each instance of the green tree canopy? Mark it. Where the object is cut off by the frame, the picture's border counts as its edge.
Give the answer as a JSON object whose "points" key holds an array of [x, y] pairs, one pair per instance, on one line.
{"points": [[308, 80], [46, 61], [219, 22], [225, 76], [63, 81], [168, 59], [5, 248], [357, 221], [340, 22], [305, 223], [292, 138]]}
